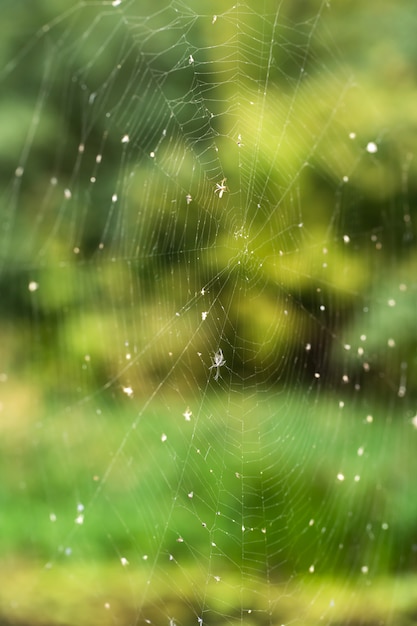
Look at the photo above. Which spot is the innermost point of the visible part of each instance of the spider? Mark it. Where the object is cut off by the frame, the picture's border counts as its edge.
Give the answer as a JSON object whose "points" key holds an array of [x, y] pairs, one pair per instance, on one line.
{"points": [[218, 362], [221, 188]]}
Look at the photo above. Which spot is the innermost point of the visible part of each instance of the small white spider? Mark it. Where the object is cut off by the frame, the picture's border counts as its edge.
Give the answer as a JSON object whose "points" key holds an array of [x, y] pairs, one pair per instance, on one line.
{"points": [[218, 362], [221, 188]]}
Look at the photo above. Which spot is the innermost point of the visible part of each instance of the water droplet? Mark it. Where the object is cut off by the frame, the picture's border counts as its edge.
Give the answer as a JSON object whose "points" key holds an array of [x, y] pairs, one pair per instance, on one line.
{"points": [[371, 147]]}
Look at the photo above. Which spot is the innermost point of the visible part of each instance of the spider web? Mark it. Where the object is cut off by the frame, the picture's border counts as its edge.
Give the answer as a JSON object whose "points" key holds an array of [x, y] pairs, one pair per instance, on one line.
{"points": [[213, 351]]}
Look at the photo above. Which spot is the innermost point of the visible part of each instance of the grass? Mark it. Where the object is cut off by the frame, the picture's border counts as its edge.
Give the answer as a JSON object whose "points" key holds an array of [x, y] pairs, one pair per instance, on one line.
{"points": [[272, 484]]}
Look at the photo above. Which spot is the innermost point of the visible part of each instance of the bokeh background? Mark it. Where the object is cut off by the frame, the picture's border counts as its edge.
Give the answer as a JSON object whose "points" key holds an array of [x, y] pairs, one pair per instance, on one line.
{"points": [[116, 123]]}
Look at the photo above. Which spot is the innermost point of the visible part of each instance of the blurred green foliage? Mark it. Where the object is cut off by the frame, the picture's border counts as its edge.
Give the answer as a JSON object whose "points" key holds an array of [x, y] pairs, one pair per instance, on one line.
{"points": [[282, 487], [122, 267], [95, 74]]}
